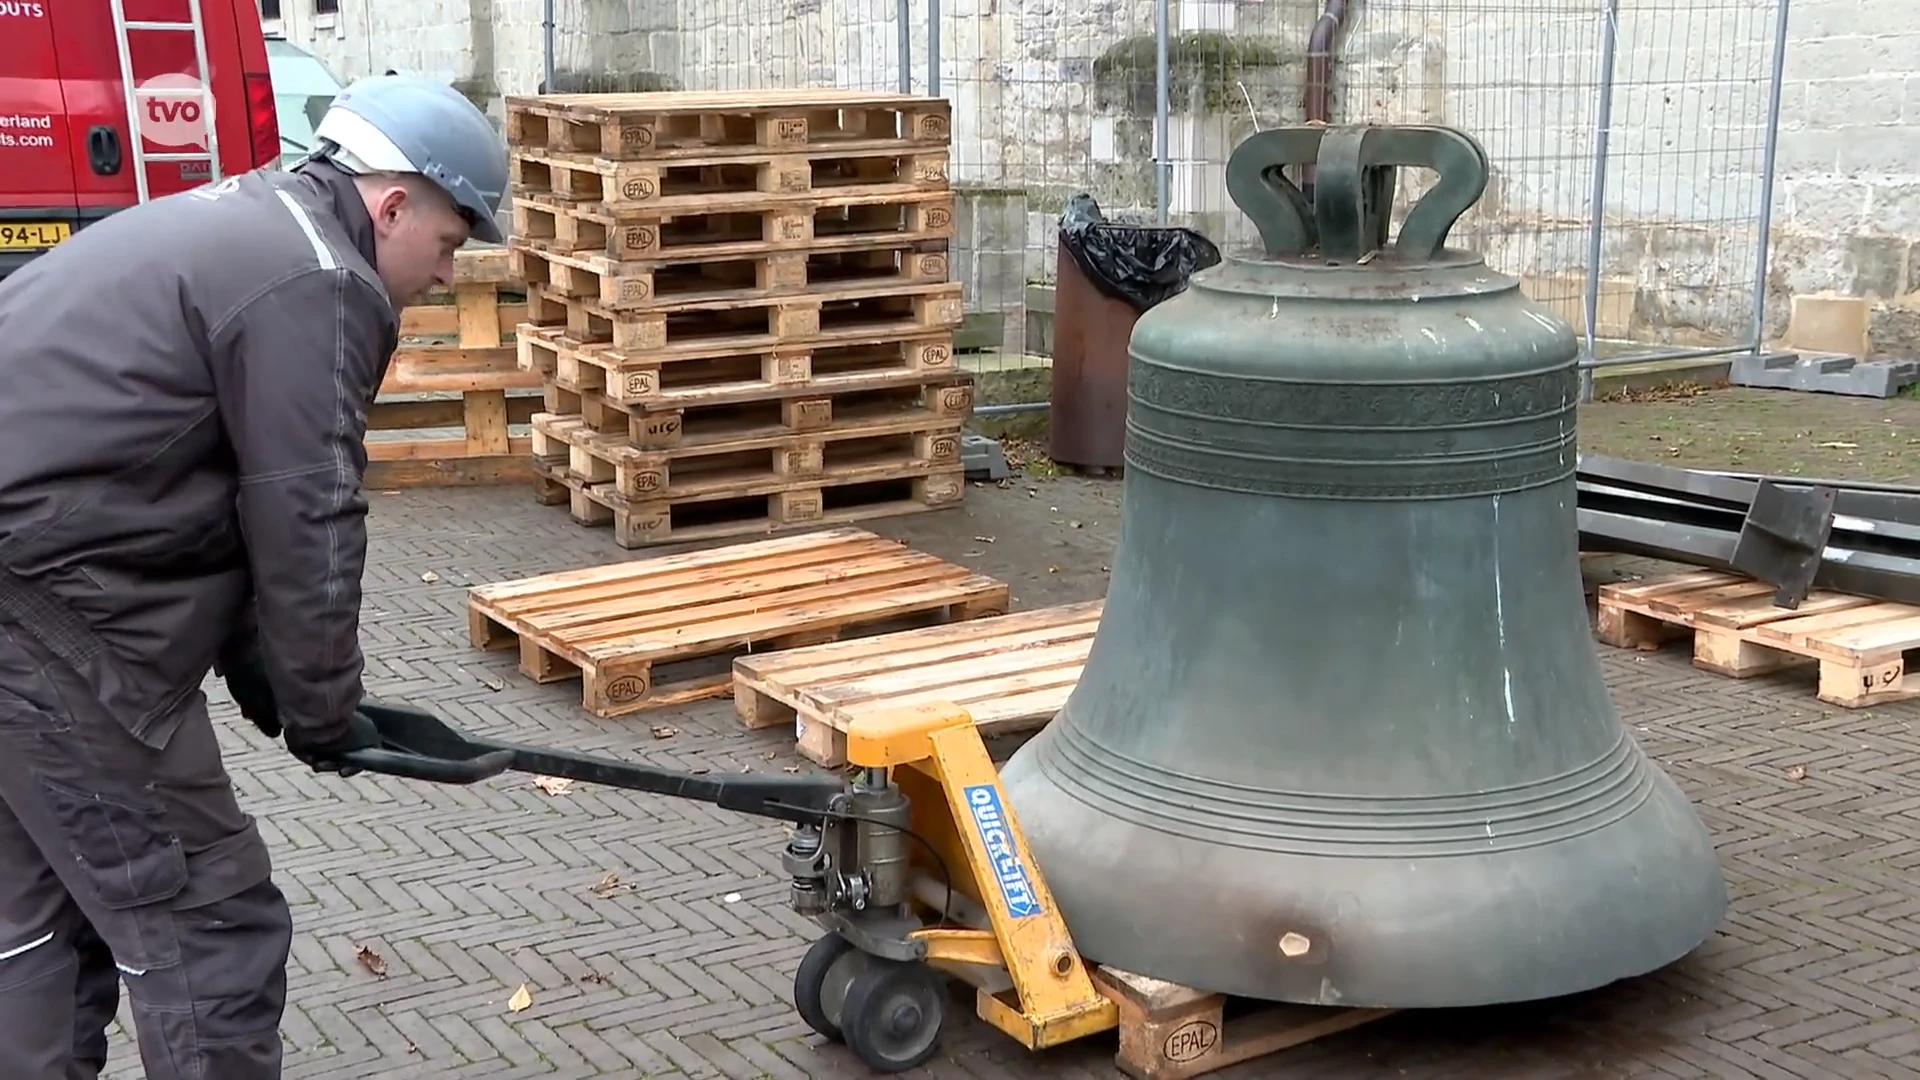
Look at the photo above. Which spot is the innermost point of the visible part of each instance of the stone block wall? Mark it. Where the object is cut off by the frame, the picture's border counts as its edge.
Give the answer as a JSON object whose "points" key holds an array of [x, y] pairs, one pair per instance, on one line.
{"points": [[1054, 97]]}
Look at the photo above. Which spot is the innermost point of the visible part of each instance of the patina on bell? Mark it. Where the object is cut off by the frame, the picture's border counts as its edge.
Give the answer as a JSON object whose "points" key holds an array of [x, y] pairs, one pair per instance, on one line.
{"points": [[1342, 737]]}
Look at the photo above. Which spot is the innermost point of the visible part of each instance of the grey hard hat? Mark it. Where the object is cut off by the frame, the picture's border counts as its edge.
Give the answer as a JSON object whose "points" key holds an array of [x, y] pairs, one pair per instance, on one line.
{"points": [[403, 123]]}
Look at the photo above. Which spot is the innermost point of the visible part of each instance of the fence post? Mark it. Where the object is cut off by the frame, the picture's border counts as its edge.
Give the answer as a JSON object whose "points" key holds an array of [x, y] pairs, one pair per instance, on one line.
{"points": [[546, 48], [1603, 126], [1766, 177], [933, 48], [903, 16], [1162, 168]]}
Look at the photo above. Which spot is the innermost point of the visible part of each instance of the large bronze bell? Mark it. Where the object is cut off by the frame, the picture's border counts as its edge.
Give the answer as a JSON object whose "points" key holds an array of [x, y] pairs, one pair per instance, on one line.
{"points": [[1342, 737]]}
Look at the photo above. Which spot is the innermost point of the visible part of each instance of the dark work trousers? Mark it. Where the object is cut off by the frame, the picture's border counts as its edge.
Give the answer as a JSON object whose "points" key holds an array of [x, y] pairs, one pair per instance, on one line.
{"points": [[128, 859]]}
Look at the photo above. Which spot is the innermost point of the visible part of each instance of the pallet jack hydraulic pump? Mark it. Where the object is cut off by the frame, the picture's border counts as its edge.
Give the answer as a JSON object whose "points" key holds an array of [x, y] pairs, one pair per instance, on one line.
{"points": [[873, 857]]}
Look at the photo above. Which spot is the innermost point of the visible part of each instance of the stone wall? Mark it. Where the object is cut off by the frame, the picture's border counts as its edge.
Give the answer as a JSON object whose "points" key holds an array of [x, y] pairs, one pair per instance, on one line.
{"points": [[1053, 97]]}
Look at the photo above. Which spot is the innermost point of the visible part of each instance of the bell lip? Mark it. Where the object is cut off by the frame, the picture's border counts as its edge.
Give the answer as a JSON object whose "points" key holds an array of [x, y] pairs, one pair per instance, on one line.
{"points": [[1418, 950]]}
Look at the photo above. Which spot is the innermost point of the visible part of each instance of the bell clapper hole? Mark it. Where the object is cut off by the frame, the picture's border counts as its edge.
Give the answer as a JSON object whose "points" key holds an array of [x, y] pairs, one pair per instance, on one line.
{"points": [[1293, 946]]}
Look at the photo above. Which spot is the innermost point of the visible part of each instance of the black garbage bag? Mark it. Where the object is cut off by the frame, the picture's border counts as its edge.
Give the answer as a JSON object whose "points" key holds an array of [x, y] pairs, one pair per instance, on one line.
{"points": [[1139, 264]]}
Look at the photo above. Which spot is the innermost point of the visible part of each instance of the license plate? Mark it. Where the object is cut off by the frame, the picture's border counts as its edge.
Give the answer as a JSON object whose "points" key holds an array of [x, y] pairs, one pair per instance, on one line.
{"points": [[29, 235]]}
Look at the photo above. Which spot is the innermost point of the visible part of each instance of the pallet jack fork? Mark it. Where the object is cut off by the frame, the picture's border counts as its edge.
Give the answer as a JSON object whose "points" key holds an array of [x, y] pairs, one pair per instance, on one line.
{"points": [[872, 857]]}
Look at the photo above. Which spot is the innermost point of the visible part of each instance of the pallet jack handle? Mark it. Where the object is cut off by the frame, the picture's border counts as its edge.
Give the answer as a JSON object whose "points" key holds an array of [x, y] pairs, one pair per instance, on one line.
{"points": [[417, 745]]}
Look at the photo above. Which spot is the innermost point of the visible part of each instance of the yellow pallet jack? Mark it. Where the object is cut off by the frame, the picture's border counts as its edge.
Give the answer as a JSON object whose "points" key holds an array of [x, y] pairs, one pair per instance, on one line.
{"points": [[914, 864]]}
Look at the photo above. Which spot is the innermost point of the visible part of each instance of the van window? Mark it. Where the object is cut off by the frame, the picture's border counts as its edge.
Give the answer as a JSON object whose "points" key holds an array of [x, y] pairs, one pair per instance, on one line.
{"points": [[302, 89]]}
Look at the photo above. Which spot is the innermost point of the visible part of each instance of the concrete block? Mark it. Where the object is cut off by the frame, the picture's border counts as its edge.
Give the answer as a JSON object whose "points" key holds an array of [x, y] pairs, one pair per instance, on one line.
{"points": [[1833, 206], [1850, 18], [1894, 208], [1565, 296], [1830, 324], [1864, 99], [1869, 149], [1825, 373], [997, 281], [983, 459]]}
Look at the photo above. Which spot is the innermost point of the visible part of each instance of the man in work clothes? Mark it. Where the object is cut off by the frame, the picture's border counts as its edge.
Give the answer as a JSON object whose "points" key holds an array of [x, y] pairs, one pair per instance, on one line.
{"points": [[183, 394]]}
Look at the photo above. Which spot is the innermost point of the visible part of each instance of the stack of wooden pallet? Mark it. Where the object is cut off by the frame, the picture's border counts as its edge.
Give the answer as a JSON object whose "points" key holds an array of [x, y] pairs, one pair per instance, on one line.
{"points": [[455, 342], [740, 306]]}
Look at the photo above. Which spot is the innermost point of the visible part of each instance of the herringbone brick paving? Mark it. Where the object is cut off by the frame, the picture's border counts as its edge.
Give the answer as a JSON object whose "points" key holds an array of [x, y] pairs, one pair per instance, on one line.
{"points": [[461, 895]]}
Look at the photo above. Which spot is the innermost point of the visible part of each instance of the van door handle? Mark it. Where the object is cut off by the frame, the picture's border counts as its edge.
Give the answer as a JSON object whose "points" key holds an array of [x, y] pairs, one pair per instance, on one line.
{"points": [[103, 149]]}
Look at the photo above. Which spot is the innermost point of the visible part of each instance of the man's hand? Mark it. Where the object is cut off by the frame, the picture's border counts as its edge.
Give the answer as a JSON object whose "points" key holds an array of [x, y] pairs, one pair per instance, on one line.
{"points": [[324, 755], [246, 680]]}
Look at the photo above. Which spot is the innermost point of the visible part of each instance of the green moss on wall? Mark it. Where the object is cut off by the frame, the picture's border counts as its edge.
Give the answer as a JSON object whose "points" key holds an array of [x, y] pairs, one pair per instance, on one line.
{"points": [[1203, 66]]}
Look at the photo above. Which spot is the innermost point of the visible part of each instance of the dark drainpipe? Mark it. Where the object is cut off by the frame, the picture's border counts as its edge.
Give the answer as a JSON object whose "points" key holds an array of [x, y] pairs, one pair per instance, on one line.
{"points": [[1320, 46]]}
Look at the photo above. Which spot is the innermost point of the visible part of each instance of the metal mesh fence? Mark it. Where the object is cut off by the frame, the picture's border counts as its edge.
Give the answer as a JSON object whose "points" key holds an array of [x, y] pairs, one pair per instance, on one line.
{"points": [[1693, 118], [1663, 110], [636, 45]]}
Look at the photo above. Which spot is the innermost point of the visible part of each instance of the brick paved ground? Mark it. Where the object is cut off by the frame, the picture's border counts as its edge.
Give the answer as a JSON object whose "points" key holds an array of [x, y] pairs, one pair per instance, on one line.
{"points": [[465, 894]]}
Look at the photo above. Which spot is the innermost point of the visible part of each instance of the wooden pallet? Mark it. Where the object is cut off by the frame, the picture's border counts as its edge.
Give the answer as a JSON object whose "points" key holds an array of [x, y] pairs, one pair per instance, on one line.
{"points": [[668, 124], [708, 183], [841, 496], [701, 466], [679, 380], [731, 227], [1858, 642], [1173, 1032], [456, 341], [810, 408], [708, 275], [1012, 673], [745, 324], [619, 628]]}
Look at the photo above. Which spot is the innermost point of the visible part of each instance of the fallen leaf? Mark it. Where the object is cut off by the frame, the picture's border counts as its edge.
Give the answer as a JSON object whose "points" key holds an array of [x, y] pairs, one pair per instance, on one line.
{"points": [[769, 755], [520, 1000], [496, 685], [552, 785], [984, 539], [594, 977], [372, 961], [1053, 569], [609, 885], [412, 1049], [429, 577], [665, 731], [790, 768], [1838, 446], [1796, 772]]}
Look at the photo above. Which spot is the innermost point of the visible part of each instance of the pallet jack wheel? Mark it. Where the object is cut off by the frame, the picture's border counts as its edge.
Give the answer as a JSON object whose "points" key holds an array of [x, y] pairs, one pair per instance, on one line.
{"points": [[821, 983], [892, 1015]]}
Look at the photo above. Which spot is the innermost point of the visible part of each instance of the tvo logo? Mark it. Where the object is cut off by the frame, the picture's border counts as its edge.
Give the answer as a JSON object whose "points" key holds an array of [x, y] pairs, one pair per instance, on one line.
{"points": [[172, 111]]}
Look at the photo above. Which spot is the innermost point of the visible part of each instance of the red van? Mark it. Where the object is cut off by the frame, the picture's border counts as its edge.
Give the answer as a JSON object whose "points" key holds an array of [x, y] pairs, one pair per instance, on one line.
{"points": [[65, 155]]}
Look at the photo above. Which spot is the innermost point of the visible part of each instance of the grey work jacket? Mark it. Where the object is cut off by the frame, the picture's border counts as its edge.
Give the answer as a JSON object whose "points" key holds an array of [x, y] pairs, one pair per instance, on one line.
{"points": [[183, 394]]}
